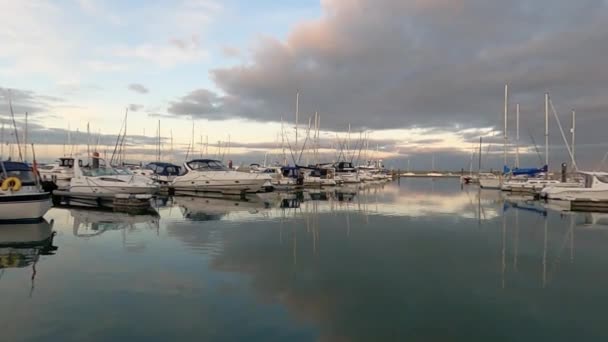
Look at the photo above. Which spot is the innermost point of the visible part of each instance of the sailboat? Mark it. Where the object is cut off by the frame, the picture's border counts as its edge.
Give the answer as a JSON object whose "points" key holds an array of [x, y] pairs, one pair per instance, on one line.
{"points": [[433, 173], [489, 180], [535, 179]]}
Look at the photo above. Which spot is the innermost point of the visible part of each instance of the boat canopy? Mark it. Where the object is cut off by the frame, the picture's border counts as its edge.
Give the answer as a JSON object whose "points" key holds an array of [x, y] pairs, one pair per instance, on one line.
{"points": [[206, 165], [163, 169], [525, 172], [16, 166]]}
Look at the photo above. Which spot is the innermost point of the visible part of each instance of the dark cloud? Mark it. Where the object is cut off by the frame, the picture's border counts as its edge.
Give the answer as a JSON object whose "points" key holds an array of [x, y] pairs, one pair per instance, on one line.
{"points": [[138, 88], [199, 103], [398, 63], [25, 101], [135, 107]]}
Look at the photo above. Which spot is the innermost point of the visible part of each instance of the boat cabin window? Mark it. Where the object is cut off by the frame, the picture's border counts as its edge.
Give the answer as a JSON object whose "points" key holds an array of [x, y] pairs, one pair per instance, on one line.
{"points": [[172, 170], [602, 178], [99, 172], [69, 162], [207, 165]]}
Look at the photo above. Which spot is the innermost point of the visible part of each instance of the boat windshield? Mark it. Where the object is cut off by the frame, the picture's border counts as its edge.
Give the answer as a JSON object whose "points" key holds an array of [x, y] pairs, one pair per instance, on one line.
{"points": [[26, 177], [207, 165], [602, 178], [123, 172], [100, 172]]}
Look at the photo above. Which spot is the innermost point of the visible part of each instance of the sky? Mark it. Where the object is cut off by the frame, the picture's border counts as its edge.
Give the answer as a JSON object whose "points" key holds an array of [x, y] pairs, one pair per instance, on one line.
{"points": [[422, 80]]}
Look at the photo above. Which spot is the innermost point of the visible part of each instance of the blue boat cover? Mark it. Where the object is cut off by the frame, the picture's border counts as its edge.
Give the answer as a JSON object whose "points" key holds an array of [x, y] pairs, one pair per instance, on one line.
{"points": [[528, 171]]}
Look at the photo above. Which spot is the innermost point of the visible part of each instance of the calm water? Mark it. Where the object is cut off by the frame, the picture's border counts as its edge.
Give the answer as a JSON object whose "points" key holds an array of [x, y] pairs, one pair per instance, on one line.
{"points": [[421, 261]]}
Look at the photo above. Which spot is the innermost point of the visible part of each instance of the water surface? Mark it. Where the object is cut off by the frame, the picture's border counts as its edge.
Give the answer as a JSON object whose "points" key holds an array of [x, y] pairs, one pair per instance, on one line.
{"points": [[420, 260]]}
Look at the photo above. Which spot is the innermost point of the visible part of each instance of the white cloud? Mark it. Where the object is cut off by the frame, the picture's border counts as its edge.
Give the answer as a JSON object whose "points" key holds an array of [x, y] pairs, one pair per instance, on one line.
{"points": [[169, 54]]}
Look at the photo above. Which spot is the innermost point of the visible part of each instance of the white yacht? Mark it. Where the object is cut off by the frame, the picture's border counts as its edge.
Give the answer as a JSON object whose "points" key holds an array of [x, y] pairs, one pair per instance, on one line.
{"points": [[346, 173], [207, 175], [60, 173], [103, 179], [163, 173], [490, 181], [21, 198], [594, 187], [280, 177]]}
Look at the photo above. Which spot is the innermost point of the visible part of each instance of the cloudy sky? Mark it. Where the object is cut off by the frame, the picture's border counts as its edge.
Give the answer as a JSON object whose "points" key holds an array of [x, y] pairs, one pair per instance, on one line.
{"points": [[420, 78]]}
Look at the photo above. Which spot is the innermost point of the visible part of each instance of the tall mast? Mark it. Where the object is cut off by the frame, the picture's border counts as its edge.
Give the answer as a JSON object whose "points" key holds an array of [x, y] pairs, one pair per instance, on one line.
{"points": [[517, 136], [547, 131], [124, 140], [479, 165], [171, 147], [297, 113], [348, 142], [2, 142], [159, 139], [88, 141], [506, 114], [10, 104], [70, 140], [572, 131], [25, 140]]}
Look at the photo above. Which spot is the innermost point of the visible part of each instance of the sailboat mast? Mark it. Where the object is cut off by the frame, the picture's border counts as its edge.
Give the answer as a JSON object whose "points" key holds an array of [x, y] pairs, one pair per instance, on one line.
{"points": [[2, 142], [159, 139], [297, 114], [517, 136], [25, 140], [479, 165], [547, 131], [88, 141], [506, 114], [573, 134]]}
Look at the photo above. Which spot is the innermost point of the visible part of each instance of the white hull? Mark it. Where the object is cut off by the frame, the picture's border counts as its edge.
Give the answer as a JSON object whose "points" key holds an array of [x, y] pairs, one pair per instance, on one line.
{"points": [[348, 178], [219, 181], [490, 183], [134, 190], [24, 206], [576, 194]]}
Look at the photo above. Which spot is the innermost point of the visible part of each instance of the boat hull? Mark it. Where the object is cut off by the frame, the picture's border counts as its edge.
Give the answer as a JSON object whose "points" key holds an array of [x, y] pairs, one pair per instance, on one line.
{"points": [[24, 207], [575, 194], [490, 183], [92, 189]]}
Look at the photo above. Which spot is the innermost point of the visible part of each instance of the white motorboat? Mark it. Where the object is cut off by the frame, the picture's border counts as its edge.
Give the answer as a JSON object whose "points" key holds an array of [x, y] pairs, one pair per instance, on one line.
{"points": [[101, 179], [346, 173], [163, 173], [59, 173], [594, 187], [207, 175], [280, 177], [490, 181], [320, 177], [21, 198]]}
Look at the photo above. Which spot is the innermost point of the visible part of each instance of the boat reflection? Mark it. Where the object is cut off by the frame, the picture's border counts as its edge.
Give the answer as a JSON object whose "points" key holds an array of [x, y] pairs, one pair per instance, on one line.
{"points": [[90, 223], [196, 208], [21, 245]]}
